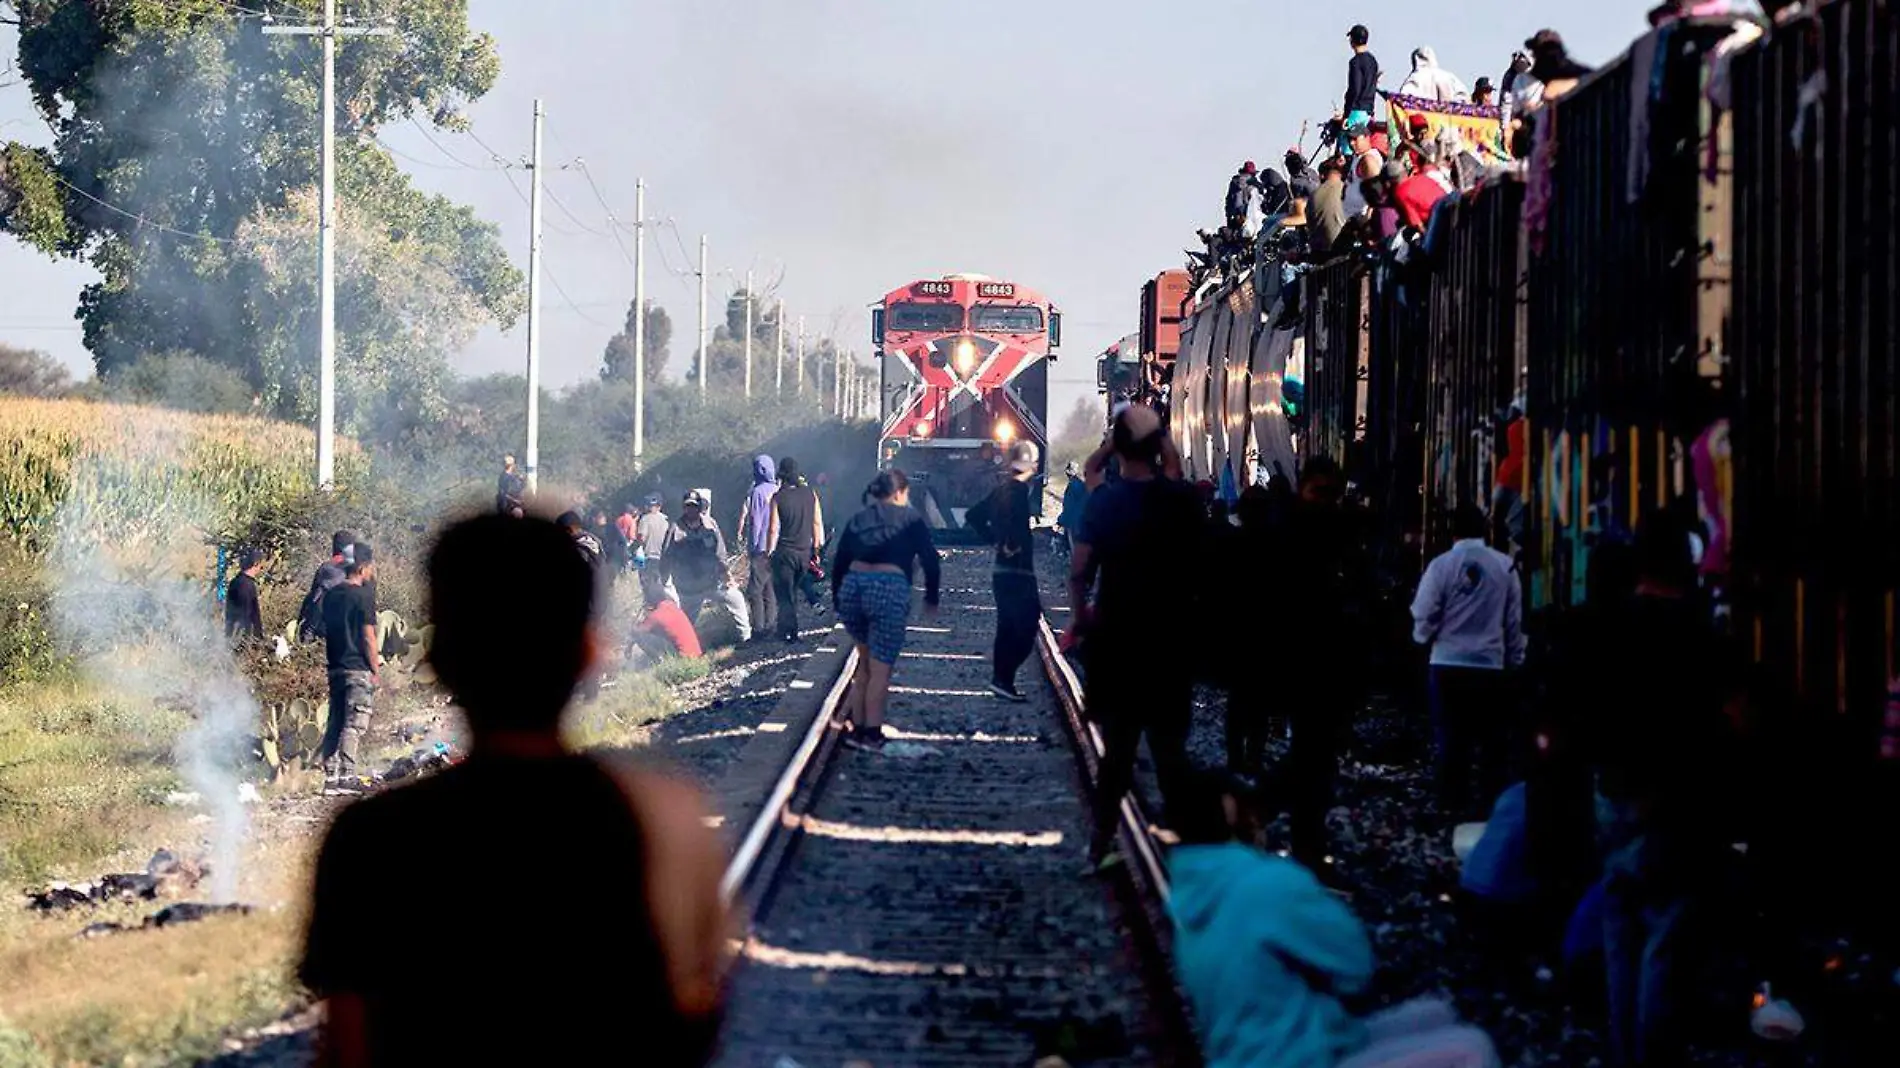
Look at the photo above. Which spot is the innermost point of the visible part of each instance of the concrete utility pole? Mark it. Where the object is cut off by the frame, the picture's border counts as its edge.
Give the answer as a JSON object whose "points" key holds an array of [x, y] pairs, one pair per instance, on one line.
{"points": [[534, 311], [639, 322], [748, 335], [799, 364], [837, 381], [328, 32], [778, 358], [702, 318]]}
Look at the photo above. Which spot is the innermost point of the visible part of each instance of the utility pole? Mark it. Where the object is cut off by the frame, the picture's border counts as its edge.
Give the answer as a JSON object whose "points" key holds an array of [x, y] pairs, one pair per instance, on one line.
{"points": [[703, 362], [799, 365], [837, 380], [748, 335], [534, 311], [328, 32], [778, 358], [639, 322]]}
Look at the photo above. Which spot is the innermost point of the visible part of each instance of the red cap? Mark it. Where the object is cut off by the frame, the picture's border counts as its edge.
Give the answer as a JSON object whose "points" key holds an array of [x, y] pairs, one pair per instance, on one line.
{"points": [[1248, 167]]}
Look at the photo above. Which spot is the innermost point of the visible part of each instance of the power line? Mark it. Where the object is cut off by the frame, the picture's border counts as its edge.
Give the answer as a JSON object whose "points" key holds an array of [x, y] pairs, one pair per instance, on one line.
{"points": [[500, 162], [136, 217], [569, 212]]}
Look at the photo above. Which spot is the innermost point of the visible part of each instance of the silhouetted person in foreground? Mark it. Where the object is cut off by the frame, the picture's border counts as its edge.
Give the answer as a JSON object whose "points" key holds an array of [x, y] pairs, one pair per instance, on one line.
{"points": [[505, 969], [1143, 536], [242, 616], [1002, 518]]}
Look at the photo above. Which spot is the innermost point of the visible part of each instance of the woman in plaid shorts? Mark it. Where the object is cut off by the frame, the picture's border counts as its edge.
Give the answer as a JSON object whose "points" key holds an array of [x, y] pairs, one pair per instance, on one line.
{"points": [[870, 587]]}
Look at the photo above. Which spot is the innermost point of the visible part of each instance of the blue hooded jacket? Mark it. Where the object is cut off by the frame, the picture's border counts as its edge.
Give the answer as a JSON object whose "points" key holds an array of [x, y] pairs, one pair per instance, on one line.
{"points": [[1263, 952], [764, 488]]}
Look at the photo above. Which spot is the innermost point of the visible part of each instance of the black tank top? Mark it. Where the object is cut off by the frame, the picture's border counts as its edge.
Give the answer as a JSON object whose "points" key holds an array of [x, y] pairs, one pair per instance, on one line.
{"points": [[797, 508]]}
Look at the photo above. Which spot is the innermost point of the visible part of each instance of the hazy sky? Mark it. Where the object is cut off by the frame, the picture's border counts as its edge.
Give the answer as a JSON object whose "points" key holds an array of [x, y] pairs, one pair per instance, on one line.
{"points": [[1070, 145]]}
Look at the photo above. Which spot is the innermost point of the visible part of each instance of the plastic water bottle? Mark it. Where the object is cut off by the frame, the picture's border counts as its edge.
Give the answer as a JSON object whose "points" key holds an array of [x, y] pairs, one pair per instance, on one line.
{"points": [[639, 557]]}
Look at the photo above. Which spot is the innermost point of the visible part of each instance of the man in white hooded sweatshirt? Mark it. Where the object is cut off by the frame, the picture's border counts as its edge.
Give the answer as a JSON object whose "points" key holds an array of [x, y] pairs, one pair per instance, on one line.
{"points": [[1430, 81]]}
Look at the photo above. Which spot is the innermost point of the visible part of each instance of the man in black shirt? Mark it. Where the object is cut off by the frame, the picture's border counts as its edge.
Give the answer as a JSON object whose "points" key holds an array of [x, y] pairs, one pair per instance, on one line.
{"points": [[515, 983], [242, 617], [1002, 518], [330, 575], [349, 620], [1142, 535], [1362, 79], [796, 533]]}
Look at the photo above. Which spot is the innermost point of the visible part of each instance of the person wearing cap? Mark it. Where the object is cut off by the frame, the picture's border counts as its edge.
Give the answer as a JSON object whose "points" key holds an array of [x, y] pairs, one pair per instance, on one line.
{"points": [[1302, 179], [330, 574], [1002, 518], [1362, 79], [694, 557], [1482, 93], [649, 533], [511, 490], [355, 664], [1326, 215], [242, 618]]}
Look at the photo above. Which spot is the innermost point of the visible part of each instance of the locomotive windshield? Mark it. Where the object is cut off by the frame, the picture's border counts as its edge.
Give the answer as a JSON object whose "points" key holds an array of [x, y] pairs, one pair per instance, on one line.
{"points": [[931, 317], [1006, 320]]}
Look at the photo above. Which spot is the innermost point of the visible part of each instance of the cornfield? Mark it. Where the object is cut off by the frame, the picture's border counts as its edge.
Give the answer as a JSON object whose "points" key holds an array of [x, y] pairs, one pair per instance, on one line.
{"points": [[130, 475]]}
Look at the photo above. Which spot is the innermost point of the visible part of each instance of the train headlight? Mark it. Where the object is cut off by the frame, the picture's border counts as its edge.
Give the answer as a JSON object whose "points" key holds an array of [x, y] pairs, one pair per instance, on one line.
{"points": [[922, 429], [966, 356], [1005, 431]]}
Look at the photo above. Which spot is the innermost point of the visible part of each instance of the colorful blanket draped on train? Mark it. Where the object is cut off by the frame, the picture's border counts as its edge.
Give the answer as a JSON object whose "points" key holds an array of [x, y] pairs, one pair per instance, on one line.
{"points": [[1478, 125]]}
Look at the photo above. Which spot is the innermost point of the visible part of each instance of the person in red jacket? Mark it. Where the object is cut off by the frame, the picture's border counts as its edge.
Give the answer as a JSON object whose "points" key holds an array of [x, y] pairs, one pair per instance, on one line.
{"points": [[664, 632], [1418, 194]]}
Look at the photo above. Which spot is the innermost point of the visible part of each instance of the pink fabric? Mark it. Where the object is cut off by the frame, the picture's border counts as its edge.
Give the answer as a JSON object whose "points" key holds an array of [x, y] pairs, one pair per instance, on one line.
{"points": [[1714, 471]]}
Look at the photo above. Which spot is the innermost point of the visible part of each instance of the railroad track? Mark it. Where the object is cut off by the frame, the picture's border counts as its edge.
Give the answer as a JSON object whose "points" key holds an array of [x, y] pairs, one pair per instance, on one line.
{"points": [[929, 905]]}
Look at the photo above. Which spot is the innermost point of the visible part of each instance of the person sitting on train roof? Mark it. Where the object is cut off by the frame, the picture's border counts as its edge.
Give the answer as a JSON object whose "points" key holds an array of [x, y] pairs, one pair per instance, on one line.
{"points": [[1302, 179], [1265, 954], [1430, 81]]}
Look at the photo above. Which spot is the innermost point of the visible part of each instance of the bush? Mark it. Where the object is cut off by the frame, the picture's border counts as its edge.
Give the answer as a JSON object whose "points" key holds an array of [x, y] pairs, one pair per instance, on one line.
{"points": [[181, 381]]}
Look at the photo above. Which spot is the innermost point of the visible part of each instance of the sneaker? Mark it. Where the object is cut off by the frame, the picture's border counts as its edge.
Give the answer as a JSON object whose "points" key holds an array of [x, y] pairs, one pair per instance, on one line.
{"points": [[866, 739], [1007, 693]]}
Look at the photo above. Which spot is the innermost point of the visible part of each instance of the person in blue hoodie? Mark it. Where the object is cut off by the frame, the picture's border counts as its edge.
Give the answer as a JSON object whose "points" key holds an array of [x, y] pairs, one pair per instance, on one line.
{"points": [[1265, 953]]}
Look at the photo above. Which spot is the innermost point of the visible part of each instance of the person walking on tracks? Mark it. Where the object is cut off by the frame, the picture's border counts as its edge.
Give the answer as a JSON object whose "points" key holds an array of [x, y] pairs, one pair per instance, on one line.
{"points": [[518, 983], [1002, 518], [355, 663], [1469, 609], [1136, 532], [754, 531], [870, 586], [797, 536]]}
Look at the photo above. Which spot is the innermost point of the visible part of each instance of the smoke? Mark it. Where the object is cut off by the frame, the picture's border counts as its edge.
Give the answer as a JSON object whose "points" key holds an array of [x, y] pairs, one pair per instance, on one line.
{"points": [[142, 627]]}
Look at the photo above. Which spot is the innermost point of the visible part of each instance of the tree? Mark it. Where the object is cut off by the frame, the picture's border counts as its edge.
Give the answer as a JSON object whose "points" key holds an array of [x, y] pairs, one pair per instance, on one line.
{"points": [[185, 153], [617, 361], [31, 373], [180, 380]]}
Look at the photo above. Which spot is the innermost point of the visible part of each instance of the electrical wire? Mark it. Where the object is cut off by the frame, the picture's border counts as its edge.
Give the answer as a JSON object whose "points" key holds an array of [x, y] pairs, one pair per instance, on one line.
{"points": [[137, 218], [499, 162], [548, 190]]}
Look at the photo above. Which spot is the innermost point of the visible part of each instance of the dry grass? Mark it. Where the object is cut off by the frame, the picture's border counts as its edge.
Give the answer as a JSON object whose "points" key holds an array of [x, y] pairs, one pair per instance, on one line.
{"points": [[80, 779]]}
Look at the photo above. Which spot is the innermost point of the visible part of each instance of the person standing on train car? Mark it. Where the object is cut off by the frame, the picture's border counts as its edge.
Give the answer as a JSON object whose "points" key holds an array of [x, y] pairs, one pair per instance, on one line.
{"points": [[1469, 610], [1362, 79], [1002, 519], [1143, 536]]}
